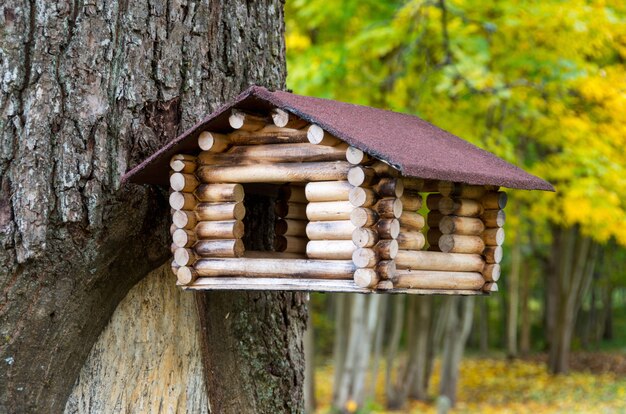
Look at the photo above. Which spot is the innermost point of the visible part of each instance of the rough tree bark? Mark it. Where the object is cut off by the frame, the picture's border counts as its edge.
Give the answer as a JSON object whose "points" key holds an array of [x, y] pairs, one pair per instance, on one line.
{"points": [[87, 91]]}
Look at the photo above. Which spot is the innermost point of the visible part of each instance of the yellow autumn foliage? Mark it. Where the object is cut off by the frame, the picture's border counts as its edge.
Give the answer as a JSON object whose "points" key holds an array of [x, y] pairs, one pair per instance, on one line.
{"points": [[541, 84]]}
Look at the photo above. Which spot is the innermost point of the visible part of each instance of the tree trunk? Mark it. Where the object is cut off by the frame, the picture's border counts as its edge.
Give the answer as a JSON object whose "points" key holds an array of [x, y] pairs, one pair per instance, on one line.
{"points": [[89, 90], [423, 351], [483, 326], [524, 345], [513, 302], [457, 328], [309, 370], [575, 266], [135, 366]]}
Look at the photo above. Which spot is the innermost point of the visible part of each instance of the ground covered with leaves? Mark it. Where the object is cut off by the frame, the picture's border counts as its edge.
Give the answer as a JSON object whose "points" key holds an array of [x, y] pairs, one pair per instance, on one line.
{"points": [[597, 385]]}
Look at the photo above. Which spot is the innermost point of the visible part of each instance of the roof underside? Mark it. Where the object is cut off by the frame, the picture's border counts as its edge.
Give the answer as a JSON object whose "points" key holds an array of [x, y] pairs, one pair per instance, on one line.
{"points": [[410, 144]]}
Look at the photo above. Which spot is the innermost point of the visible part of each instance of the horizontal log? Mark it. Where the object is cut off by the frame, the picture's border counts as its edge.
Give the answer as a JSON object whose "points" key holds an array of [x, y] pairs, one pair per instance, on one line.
{"points": [[388, 228], [184, 256], [186, 275], [454, 243], [290, 227], [433, 235], [493, 218], [389, 187], [460, 207], [364, 237], [384, 285], [297, 211], [429, 279], [220, 211], [246, 122], [461, 225], [185, 183], [183, 157], [214, 193], [328, 191], [292, 193], [355, 156], [423, 260], [362, 197], [411, 201], [386, 269], [318, 136], [449, 189], [254, 154], [410, 240], [184, 238], [491, 272], [494, 200], [493, 254], [330, 230], [227, 229], [184, 219], [329, 210], [174, 267], [430, 186], [433, 218], [490, 287], [212, 142], [330, 249], [284, 119], [219, 248], [305, 268], [493, 237], [432, 201], [411, 220], [268, 135], [385, 170], [182, 201], [275, 173], [364, 257], [251, 254], [290, 244], [413, 184], [363, 217], [182, 165], [361, 176], [366, 278], [389, 208], [386, 249]]}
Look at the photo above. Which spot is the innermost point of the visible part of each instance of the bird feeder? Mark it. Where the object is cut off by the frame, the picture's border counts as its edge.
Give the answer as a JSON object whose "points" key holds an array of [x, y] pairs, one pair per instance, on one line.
{"points": [[361, 200]]}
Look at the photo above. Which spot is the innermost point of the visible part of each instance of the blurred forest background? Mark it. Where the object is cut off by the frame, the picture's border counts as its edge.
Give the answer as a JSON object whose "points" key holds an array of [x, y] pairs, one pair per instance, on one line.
{"points": [[543, 85]]}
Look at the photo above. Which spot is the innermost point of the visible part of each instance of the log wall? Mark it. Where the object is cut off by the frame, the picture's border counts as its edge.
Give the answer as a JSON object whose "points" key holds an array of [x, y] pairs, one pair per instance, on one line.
{"points": [[341, 216]]}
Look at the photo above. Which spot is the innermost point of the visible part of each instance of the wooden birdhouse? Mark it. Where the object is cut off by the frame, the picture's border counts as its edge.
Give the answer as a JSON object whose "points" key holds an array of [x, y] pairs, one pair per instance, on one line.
{"points": [[360, 200]]}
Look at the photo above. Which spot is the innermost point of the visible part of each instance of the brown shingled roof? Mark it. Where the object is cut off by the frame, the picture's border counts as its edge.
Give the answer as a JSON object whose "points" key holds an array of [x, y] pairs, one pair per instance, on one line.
{"points": [[412, 145]]}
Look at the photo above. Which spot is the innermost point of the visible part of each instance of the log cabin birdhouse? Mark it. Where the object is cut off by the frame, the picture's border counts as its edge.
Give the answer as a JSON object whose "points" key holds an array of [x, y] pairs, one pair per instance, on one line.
{"points": [[359, 200]]}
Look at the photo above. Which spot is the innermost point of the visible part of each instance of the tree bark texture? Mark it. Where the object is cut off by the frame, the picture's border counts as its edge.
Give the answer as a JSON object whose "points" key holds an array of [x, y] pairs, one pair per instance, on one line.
{"points": [[87, 91], [147, 359]]}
